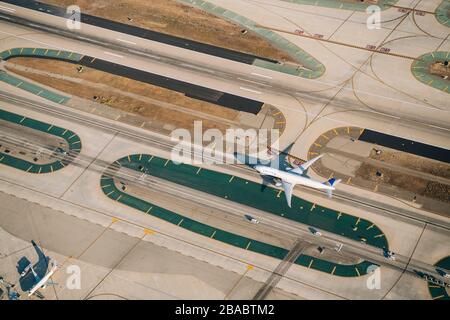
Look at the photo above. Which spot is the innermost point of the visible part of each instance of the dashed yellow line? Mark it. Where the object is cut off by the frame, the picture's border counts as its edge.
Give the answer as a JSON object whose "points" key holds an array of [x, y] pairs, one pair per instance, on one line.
{"points": [[335, 132], [317, 144], [325, 137], [276, 113]]}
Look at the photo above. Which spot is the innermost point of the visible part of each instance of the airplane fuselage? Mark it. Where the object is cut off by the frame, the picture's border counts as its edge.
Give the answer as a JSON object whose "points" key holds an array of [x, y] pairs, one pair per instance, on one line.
{"points": [[292, 178]]}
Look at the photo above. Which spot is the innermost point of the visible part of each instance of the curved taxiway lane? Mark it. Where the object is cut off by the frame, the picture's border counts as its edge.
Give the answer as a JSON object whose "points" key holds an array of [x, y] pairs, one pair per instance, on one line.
{"points": [[84, 182]]}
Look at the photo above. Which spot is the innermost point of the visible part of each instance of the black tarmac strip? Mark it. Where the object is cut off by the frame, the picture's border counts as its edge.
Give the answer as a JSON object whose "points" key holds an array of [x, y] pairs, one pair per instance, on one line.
{"points": [[188, 89], [143, 33], [405, 145]]}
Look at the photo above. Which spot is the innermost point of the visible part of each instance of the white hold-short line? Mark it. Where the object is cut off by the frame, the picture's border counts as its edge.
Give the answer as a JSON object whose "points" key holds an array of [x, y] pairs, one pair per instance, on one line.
{"points": [[261, 75], [249, 90], [113, 54], [126, 41]]}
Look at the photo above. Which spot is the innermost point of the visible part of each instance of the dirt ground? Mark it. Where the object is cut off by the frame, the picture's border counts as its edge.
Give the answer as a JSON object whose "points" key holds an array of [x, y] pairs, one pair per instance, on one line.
{"points": [[416, 185], [121, 101], [171, 17], [414, 162]]}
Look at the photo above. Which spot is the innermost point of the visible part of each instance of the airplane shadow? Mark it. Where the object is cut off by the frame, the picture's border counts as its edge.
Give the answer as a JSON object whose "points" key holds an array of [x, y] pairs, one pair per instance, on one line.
{"points": [[28, 281]]}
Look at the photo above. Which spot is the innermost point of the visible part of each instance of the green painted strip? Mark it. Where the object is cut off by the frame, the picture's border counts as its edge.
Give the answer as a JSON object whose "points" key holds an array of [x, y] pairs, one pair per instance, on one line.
{"points": [[442, 13], [157, 164], [39, 126], [313, 68], [420, 70], [438, 292]]}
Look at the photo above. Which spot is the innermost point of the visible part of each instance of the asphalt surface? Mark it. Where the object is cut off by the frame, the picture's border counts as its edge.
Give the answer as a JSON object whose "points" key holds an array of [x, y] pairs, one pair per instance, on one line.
{"points": [[143, 33], [190, 90], [405, 145]]}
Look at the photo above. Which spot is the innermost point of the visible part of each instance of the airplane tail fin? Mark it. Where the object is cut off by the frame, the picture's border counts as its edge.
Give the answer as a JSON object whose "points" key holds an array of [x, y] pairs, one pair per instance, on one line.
{"points": [[333, 182]]}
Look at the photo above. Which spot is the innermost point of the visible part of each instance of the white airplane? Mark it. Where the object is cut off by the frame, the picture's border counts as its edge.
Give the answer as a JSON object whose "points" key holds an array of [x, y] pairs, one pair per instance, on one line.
{"points": [[44, 282], [286, 176]]}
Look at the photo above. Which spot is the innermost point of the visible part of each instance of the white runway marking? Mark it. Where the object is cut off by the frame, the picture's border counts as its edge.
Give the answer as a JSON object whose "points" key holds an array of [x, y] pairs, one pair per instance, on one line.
{"points": [[113, 54], [249, 90], [126, 41], [261, 75], [254, 82], [7, 9]]}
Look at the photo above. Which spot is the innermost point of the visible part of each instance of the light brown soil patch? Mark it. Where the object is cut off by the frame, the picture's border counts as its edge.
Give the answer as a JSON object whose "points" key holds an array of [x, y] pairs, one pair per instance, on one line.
{"points": [[414, 162], [416, 185], [171, 17], [149, 110]]}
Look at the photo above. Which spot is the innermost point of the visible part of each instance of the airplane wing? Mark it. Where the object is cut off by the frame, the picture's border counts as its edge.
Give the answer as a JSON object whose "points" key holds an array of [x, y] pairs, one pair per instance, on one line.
{"points": [[288, 187], [304, 167], [280, 161]]}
